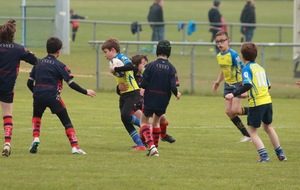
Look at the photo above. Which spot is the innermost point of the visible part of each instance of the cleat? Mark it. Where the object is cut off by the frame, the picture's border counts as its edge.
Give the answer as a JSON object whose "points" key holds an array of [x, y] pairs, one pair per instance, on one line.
{"points": [[137, 148], [152, 151], [245, 139], [6, 150], [34, 146], [77, 151], [263, 159], [168, 138], [282, 157]]}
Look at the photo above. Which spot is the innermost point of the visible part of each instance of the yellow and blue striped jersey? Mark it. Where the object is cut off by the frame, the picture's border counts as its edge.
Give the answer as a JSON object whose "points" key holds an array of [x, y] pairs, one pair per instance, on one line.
{"points": [[128, 78], [255, 75], [231, 66]]}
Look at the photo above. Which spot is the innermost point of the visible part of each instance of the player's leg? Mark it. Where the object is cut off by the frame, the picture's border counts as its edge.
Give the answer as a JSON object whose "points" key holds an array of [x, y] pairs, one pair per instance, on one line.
{"points": [[126, 106], [254, 121], [163, 127], [7, 127], [156, 129], [267, 120], [232, 107], [38, 110]]}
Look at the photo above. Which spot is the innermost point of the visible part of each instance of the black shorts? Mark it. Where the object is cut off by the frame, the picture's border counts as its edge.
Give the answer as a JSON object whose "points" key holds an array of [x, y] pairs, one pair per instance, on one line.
{"points": [[150, 112], [230, 88], [7, 97], [54, 105], [258, 114]]}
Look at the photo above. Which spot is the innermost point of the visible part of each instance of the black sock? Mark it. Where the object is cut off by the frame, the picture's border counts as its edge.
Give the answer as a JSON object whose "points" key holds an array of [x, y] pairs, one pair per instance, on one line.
{"points": [[245, 110], [239, 124]]}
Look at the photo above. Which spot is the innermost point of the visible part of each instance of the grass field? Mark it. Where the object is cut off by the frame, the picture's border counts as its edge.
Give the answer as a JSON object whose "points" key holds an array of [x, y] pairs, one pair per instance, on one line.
{"points": [[206, 154]]}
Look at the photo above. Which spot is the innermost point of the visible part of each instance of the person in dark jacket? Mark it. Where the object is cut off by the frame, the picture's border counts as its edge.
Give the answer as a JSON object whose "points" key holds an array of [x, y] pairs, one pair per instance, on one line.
{"points": [[156, 15], [214, 17], [248, 17]]}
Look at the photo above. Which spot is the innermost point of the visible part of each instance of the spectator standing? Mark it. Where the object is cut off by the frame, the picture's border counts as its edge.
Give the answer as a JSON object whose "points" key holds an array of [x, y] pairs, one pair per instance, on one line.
{"points": [[156, 15], [10, 56], [248, 17], [75, 24], [214, 17]]}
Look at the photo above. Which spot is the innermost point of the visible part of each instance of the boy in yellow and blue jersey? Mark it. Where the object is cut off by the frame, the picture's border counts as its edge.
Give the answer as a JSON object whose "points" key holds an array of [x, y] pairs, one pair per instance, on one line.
{"points": [[260, 102], [231, 65], [129, 97]]}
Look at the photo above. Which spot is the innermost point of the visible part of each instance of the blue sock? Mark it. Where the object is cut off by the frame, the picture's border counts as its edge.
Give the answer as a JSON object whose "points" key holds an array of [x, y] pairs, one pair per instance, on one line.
{"points": [[135, 120], [136, 138], [263, 153], [278, 150]]}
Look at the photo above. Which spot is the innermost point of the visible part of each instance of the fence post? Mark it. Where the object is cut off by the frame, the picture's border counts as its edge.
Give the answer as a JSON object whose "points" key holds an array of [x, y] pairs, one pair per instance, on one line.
{"points": [[192, 68]]}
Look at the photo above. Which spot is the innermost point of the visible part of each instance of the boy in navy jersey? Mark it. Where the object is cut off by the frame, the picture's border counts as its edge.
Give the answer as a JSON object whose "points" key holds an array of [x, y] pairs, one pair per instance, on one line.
{"points": [[46, 82], [10, 56], [159, 82]]}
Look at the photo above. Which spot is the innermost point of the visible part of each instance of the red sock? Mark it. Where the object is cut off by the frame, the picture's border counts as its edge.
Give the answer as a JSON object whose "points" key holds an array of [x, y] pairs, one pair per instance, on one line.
{"points": [[156, 135], [70, 132], [163, 128], [36, 124], [8, 126], [147, 135]]}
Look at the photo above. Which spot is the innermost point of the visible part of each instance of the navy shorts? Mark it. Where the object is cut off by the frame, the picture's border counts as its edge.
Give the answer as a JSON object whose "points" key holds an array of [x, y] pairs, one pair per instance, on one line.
{"points": [[150, 112], [54, 105], [230, 88], [258, 114], [7, 97]]}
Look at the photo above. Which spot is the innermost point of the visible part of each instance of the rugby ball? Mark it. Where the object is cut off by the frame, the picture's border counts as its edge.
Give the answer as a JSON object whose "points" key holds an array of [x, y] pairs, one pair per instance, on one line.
{"points": [[115, 62]]}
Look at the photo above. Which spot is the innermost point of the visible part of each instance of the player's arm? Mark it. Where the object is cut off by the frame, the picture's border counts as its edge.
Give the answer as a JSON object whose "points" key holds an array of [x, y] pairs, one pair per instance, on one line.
{"points": [[30, 85], [127, 67], [78, 88], [241, 90]]}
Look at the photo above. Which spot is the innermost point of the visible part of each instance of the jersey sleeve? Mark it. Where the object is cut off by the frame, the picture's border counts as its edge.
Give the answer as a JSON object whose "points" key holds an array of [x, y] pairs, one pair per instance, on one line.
{"points": [[66, 73], [29, 57], [247, 75]]}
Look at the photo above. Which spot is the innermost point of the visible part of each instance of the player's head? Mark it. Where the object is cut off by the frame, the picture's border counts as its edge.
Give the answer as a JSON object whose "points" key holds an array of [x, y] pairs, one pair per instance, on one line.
{"points": [[7, 31], [217, 3], [53, 45], [137, 59], [163, 48], [249, 51], [111, 43]]}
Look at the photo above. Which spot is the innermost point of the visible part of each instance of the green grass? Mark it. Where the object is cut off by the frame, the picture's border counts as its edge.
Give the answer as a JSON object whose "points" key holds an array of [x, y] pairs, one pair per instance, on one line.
{"points": [[205, 156]]}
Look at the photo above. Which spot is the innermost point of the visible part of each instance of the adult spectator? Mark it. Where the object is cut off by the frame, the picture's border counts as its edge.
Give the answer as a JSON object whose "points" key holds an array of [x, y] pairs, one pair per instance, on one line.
{"points": [[156, 15], [248, 17], [214, 17]]}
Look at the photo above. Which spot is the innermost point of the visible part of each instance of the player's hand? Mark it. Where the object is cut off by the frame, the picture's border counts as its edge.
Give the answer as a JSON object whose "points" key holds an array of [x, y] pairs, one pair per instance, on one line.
{"points": [[178, 95], [122, 87], [215, 87], [229, 96], [91, 93], [244, 95], [142, 91], [112, 70]]}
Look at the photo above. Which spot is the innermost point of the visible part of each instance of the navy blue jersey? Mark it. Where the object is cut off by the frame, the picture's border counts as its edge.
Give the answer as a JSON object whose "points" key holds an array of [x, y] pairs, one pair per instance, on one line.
{"points": [[10, 56], [159, 78], [48, 75]]}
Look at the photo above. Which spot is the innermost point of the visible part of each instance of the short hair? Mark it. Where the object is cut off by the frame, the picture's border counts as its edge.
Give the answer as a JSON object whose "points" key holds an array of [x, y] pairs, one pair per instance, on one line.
{"points": [[221, 32], [216, 3], [137, 59], [249, 51], [53, 45], [111, 43], [7, 31], [163, 48]]}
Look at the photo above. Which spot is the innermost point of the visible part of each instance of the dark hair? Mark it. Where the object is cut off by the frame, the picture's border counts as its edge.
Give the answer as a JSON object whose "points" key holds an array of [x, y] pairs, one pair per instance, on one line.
{"points": [[7, 31], [111, 43], [249, 51], [163, 48], [137, 59], [216, 3], [53, 45], [220, 33]]}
